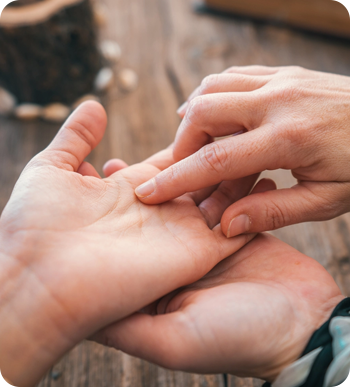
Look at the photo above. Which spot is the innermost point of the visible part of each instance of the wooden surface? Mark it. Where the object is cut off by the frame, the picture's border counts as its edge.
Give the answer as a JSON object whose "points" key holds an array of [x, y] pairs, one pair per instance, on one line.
{"points": [[172, 49], [316, 15]]}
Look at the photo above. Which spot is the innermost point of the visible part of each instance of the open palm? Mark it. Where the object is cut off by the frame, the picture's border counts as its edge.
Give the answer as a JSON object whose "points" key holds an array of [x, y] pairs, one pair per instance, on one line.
{"points": [[89, 251], [252, 315]]}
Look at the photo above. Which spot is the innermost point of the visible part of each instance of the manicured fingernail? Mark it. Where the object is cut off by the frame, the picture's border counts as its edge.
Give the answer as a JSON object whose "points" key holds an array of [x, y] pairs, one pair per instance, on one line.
{"points": [[238, 225], [182, 109], [146, 189]]}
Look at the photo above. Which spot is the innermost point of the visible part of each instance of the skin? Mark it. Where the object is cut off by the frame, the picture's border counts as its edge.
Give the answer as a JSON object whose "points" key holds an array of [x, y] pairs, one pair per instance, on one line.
{"points": [[291, 118], [252, 315], [78, 252]]}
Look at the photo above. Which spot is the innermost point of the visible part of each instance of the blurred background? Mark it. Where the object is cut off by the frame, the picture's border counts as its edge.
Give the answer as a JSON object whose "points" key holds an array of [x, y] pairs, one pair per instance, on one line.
{"points": [[167, 48]]}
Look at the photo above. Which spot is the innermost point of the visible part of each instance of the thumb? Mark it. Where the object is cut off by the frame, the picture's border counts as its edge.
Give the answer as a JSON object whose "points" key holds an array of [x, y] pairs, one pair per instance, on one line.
{"points": [[80, 134], [161, 339], [270, 210]]}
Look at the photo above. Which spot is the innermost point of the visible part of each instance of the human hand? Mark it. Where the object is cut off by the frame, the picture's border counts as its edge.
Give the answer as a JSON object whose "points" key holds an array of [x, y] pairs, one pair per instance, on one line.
{"points": [[293, 119], [78, 252], [251, 316]]}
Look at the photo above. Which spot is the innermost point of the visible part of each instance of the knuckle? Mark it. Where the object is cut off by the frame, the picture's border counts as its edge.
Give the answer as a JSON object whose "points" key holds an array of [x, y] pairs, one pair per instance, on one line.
{"points": [[286, 93], [197, 108], [275, 217], [209, 84], [82, 131], [213, 158], [295, 68]]}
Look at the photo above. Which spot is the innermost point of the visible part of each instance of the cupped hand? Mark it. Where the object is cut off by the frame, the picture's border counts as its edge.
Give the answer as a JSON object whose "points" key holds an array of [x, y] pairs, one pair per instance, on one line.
{"points": [[79, 252], [291, 118], [251, 316]]}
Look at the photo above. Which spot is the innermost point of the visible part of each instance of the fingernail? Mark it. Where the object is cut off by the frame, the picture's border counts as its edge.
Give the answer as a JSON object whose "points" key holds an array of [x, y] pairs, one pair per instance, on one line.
{"points": [[145, 189], [182, 109], [238, 225]]}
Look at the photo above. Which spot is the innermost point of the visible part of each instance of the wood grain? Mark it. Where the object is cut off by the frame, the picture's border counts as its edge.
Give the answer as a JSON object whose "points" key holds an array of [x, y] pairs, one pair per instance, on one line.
{"points": [[172, 49]]}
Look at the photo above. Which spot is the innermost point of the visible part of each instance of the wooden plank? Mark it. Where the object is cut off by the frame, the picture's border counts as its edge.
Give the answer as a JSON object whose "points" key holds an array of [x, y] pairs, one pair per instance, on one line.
{"points": [[93, 365], [172, 49], [324, 16], [239, 382]]}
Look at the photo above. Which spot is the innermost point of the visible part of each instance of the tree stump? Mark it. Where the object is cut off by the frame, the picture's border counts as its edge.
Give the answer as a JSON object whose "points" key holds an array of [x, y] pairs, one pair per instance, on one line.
{"points": [[48, 51]]}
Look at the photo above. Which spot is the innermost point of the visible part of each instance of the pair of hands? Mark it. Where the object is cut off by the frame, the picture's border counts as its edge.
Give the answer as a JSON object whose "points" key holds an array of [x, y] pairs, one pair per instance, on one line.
{"points": [[81, 255], [292, 119]]}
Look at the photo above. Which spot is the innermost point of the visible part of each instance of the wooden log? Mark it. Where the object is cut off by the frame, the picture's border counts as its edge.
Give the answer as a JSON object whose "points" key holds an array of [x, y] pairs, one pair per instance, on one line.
{"points": [[325, 16], [48, 50]]}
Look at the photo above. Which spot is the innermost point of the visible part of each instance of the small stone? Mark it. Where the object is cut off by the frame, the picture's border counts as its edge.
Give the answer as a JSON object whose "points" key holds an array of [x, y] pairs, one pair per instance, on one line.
{"points": [[28, 111], [7, 102], [111, 50], [100, 14], [56, 112], [104, 79], [88, 97], [55, 375], [128, 80]]}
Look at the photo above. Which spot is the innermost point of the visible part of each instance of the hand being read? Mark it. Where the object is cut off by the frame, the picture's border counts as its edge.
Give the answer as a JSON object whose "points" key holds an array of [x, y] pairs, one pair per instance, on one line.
{"points": [[78, 252], [251, 316], [292, 118]]}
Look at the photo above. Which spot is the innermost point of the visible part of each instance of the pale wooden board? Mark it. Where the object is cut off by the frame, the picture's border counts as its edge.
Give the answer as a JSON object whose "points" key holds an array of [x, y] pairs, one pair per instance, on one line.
{"points": [[172, 49]]}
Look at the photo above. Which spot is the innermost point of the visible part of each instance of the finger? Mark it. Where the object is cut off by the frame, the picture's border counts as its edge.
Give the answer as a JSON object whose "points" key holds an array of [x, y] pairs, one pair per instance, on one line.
{"points": [[137, 335], [162, 159], [216, 115], [229, 159], [80, 134], [227, 193], [202, 194], [113, 166], [225, 83], [271, 210], [253, 70], [86, 169]]}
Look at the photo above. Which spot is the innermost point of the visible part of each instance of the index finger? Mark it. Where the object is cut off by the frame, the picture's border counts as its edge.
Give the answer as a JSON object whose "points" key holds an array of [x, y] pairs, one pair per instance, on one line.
{"points": [[228, 159]]}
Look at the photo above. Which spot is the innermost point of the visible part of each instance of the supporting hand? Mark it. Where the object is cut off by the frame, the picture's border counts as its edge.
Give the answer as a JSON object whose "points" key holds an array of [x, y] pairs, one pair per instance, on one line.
{"points": [[252, 315]]}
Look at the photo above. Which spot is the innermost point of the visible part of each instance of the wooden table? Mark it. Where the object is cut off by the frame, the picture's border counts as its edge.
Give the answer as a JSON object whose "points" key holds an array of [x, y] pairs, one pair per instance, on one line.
{"points": [[172, 49]]}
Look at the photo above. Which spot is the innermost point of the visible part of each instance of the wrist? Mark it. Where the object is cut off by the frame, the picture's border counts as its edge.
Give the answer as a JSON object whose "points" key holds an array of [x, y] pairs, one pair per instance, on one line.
{"points": [[310, 367], [30, 339]]}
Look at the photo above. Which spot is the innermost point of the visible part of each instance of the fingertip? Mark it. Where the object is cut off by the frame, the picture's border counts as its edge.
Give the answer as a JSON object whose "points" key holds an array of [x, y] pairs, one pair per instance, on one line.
{"points": [[113, 166], [79, 135], [145, 190], [89, 122], [237, 218]]}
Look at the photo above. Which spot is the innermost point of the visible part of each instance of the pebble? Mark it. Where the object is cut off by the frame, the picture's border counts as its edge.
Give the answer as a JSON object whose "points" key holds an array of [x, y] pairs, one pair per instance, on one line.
{"points": [[104, 79], [100, 14], [28, 111], [128, 80], [55, 112], [111, 50], [55, 375], [88, 97], [7, 102]]}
